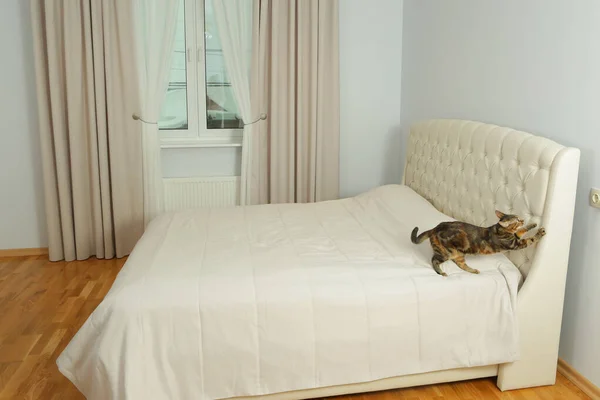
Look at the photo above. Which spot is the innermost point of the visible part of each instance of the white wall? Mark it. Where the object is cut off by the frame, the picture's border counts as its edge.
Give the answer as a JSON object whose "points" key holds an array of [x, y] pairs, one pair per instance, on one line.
{"points": [[370, 72], [22, 222], [533, 66], [205, 161]]}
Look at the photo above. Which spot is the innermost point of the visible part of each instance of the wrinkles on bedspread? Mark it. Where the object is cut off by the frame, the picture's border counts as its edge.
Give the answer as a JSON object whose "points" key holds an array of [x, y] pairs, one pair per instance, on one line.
{"points": [[247, 301]]}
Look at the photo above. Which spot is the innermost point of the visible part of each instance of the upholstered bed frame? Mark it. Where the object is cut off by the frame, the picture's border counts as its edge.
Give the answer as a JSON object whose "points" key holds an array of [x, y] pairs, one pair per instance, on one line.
{"points": [[467, 170]]}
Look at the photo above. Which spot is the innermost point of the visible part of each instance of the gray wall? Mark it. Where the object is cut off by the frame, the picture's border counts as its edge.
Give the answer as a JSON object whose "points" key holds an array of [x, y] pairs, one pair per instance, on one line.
{"points": [[370, 73], [22, 222], [533, 66]]}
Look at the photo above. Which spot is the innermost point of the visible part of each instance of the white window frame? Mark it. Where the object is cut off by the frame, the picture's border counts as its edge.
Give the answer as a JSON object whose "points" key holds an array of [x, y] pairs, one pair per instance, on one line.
{"points": [[197, 134]]}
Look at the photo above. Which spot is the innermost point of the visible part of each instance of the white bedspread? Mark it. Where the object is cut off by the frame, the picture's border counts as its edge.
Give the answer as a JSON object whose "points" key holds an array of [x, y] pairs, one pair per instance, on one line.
{"points": [[230, 302]]}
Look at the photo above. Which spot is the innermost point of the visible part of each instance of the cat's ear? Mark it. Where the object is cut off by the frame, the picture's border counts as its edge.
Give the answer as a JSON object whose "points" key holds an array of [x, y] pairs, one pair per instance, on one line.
{"points": [[499, 214]]}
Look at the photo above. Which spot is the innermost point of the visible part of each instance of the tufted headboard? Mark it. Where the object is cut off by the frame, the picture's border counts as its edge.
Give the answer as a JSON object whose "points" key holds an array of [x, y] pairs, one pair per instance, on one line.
{"points": [[469, 169]]}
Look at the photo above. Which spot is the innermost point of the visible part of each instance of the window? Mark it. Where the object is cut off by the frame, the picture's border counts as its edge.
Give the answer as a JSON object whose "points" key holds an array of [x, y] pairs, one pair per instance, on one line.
{"points": [[199, 107]]}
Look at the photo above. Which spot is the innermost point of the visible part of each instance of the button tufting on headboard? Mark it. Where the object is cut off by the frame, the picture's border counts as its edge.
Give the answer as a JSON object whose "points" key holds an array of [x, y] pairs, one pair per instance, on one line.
{"points": [[469, 169]]}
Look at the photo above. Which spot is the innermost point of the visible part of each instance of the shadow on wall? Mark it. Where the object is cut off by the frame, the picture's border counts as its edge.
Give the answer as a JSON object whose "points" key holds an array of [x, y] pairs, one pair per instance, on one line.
{"points": [[582, 228], [393, 156]]}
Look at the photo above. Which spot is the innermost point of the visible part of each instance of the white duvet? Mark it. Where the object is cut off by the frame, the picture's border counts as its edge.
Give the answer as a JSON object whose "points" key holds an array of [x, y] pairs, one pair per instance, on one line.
{"points": [[217, 303]]}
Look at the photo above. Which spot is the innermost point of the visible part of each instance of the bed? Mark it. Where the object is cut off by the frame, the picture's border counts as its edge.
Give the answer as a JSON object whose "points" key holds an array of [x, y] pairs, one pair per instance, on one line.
{"points": [[311, 300]]}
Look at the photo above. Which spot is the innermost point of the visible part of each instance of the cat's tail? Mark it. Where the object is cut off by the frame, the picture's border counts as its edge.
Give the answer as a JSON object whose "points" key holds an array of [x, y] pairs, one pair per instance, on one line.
{"points": [[421, 238]]}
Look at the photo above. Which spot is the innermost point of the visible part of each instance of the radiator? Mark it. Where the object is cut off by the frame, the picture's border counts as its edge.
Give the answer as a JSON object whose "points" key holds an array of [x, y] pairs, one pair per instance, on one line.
{"points": [[186, 193]]}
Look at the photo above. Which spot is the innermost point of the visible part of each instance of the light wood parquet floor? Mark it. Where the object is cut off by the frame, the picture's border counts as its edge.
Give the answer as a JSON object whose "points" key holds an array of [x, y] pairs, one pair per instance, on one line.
{"points": [[43, 304]]}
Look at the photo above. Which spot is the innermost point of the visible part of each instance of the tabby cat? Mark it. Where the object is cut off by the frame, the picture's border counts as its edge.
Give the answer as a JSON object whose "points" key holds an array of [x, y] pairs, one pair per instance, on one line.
{"points": [[452, 240]]}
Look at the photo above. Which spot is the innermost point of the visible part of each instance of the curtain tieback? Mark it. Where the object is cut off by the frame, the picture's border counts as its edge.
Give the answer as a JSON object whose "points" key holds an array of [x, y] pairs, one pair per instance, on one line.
{"points": [[138, 118], [262, 117]]}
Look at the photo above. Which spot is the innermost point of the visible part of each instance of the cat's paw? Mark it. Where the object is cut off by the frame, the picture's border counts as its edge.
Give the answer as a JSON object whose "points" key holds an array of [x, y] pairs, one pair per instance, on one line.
{"points": [[444, 274], [541, 232], [475, 271], [531, 226]]}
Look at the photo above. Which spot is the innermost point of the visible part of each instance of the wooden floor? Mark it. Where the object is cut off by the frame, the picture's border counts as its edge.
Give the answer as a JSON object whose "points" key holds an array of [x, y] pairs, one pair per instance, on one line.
{"points": [[43, 304]]}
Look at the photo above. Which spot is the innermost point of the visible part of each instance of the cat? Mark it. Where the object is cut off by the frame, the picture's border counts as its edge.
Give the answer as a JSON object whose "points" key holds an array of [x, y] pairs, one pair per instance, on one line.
{"points": [[453, 240]]}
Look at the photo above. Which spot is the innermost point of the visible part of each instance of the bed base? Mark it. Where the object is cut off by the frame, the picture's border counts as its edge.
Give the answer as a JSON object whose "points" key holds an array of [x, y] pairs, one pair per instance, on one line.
{"points": [[397, 382]]}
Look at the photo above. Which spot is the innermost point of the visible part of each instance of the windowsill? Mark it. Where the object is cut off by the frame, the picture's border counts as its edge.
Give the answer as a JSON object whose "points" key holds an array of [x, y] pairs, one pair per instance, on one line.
{"points": [[200, 142]]}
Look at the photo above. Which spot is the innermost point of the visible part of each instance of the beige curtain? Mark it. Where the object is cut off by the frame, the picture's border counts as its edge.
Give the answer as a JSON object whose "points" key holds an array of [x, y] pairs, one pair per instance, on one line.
{"points": [[91, 147], [295, 152]]}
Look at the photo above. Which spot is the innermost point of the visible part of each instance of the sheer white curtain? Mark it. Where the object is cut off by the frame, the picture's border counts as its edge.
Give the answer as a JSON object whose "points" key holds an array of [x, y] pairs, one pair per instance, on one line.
{"points": [[155, 23], [234, 22]]}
